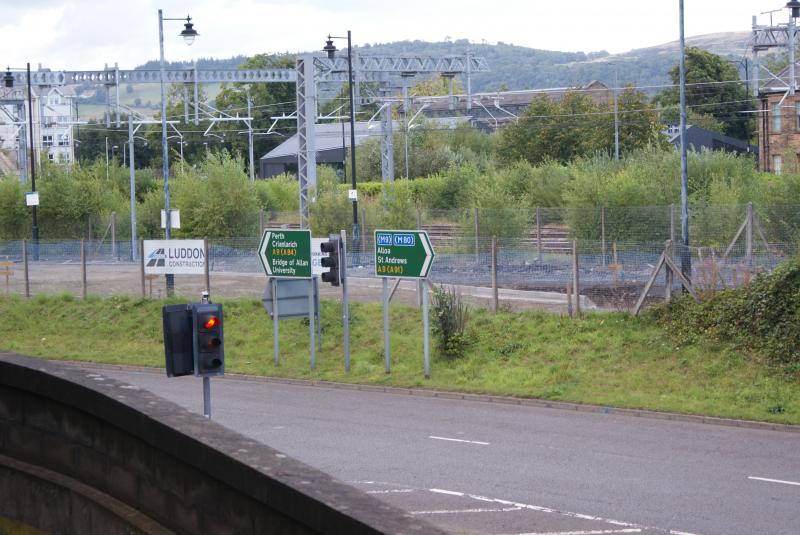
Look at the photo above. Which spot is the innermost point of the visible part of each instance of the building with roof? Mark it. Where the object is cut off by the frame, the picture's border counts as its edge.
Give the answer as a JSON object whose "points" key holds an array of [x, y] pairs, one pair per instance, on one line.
{"points": [[332, 140], [698, 139], [53, 122], [490, 111], [778, 122]]}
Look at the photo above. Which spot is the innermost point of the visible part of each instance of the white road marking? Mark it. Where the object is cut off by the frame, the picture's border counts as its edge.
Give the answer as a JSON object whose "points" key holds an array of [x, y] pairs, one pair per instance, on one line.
{"points": [[568, 514], [394, 491], [625, 527], [459, 511], [460, 440], [781, 481], [450, 492], [595, 532]]}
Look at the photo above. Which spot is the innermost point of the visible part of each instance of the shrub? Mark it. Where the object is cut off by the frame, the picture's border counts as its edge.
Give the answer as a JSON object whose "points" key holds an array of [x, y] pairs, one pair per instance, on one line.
{"points": [[278, 194], [762, 316], [450, 317], [332, 210]]}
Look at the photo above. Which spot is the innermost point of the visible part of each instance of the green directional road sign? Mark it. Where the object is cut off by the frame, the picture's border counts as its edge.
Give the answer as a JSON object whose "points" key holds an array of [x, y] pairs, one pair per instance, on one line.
{"points": [[403, 253], [286, 253]]}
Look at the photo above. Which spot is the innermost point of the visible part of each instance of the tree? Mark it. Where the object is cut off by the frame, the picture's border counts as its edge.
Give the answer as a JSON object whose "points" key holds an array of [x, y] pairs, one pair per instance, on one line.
{"points": [[578, 125], [713, 88], [553, 130], [268, 100]]}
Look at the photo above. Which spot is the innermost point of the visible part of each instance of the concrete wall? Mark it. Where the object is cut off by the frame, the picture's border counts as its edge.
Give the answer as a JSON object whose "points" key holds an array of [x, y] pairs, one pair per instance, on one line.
{"points": [[82, 453]]}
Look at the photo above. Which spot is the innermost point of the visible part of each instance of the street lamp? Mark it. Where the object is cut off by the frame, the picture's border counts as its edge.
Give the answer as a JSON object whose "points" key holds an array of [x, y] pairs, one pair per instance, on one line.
{"points": [[330, 50], [188, 34], [8, 81]]}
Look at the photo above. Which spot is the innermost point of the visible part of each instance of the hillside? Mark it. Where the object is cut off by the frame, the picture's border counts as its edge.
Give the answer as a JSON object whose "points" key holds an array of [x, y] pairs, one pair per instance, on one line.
{"points": [[512, 66]]}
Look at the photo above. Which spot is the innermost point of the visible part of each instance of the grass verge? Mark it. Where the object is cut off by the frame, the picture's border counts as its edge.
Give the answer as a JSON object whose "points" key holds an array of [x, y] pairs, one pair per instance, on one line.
{"points": [[606, 359]]}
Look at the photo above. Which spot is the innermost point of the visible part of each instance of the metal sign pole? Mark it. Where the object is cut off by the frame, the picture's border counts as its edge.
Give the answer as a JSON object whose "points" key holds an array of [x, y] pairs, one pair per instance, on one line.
{"points": [[345, 301], [386, 343], [311, 328], [205, 298], [426, 341], [207, 397], [275, 320]]}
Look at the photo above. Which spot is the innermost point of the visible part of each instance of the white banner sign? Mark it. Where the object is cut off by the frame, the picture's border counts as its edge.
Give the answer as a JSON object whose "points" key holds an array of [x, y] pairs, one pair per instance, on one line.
{"points": [[316, 256], [175, 257]]}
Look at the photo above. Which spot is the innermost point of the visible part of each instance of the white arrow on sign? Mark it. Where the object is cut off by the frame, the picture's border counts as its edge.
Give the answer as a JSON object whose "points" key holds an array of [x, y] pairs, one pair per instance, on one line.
{"points": [[428, 254], [262, 251]]}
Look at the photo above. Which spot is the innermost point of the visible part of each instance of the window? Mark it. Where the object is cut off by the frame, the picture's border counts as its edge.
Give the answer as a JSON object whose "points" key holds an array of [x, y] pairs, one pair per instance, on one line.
{"points": [[63, 140], [797, 115], [51, 156], [47, 141], [776, 117], [777, 164]]}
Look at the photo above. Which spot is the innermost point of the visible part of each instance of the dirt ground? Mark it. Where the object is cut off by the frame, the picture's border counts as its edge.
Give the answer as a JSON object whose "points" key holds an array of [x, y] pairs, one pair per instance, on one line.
{"points": [[105, 279]]}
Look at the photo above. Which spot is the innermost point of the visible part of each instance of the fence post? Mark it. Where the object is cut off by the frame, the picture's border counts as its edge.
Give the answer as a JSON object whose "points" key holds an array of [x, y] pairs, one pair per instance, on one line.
{"points": [[494, 275], [539, 232], [748, 247], [669, 274], [207, 268], [672, 223], [114, 249], [575, 279], [83, 268], [477, 234], [603, 232], [569, 299], [141, 266], [420, 282], [25, 266]]}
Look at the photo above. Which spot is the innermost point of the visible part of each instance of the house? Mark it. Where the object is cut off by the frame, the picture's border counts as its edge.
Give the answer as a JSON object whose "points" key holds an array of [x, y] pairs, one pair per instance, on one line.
{"points": [[53, 120], [778, 122], [698, 138], [490, 111]]}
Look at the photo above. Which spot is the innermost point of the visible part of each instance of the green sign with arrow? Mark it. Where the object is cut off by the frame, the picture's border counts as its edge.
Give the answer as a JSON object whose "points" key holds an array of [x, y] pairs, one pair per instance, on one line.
{"points": [[286, 253], [403, 253]]}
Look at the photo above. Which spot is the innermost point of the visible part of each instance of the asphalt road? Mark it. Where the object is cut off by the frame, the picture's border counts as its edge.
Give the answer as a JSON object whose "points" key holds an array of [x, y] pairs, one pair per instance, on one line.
{"points": [[479, 467]]}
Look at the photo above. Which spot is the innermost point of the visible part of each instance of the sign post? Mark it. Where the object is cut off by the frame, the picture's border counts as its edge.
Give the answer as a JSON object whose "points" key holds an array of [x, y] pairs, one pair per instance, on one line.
{"points": [[404, 254], [286, 254]]}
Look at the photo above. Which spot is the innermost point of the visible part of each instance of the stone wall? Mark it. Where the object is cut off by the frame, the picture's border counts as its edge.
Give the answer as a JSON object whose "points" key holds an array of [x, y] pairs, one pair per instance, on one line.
{"points": [[83, 453]]}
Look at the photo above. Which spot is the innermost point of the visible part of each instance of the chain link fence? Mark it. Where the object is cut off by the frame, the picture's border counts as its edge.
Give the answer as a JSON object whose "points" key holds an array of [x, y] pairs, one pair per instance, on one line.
{"points": [[526, 253]]}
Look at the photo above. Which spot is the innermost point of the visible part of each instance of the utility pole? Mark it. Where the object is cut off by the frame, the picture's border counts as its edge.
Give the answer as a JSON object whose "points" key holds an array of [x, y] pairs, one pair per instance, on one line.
{"points": [[686, 258], [616, 115]]}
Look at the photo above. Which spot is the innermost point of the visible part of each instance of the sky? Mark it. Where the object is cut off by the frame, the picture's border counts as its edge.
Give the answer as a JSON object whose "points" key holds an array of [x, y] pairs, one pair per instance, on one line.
{"points": [[88, 34]]}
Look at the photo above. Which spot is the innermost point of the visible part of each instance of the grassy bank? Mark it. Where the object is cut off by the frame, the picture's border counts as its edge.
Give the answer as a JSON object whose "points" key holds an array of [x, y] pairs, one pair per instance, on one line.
{"points": [[608, 359]]}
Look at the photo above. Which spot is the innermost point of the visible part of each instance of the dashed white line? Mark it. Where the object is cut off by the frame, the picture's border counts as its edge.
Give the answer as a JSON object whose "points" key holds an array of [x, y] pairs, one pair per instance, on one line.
{"points": [[460, 511], [591, 532], [393, 491], [460, 440], [450, 492], [781, 481]]}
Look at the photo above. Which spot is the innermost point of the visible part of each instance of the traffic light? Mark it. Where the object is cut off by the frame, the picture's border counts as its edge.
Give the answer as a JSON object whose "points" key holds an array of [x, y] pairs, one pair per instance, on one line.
{"points": [[331, 261], [178, 340], [207, 340]]}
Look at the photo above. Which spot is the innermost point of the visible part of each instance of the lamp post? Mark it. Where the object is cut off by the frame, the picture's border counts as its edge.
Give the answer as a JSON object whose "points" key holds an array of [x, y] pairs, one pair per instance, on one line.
{"points": [[188, 34], [8, 81], [330, 49]]}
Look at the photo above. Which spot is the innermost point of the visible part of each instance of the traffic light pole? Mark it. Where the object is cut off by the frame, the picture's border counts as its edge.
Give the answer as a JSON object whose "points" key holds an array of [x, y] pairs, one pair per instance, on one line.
{"points": [[204, 298], [345, 300], [207, 397]]}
